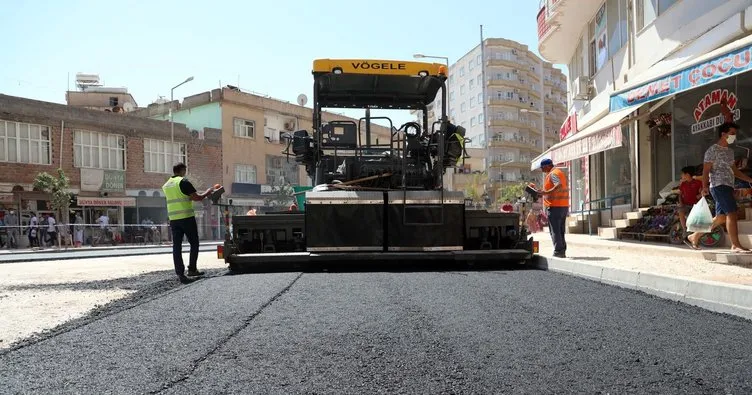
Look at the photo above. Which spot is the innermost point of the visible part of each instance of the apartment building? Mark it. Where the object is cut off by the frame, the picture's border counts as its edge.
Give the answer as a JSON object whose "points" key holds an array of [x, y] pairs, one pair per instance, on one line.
{"points": [[512, 104], [646, 79], [116, 163], [253, 163]]}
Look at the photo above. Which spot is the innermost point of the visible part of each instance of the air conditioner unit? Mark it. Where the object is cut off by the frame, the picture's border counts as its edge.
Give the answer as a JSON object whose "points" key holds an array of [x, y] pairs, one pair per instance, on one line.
{"points": [[581, 88], [514, 52], [514, 71], [290, 126]]}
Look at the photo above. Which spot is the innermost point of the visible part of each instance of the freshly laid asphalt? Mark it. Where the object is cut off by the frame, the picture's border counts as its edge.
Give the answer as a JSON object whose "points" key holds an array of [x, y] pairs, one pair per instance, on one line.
{"points": [[505, 331]]}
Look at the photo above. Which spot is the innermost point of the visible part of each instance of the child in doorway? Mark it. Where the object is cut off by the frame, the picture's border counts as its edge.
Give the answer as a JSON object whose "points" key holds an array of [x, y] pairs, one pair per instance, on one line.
{"points": [[689, 193]]}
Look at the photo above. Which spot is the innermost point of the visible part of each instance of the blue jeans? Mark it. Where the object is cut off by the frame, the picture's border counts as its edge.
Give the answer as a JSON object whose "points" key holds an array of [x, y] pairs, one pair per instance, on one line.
{"points": [[557, 224], [184, 227]]}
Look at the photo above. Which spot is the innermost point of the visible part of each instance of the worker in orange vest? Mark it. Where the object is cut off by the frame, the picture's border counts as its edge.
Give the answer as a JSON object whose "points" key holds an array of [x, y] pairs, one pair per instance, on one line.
{"points": [[555, 194]]}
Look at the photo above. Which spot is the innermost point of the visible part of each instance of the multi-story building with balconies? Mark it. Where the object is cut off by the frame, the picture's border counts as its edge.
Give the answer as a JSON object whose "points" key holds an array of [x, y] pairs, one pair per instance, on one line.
{"points": [[646, 82], [512, 104]]}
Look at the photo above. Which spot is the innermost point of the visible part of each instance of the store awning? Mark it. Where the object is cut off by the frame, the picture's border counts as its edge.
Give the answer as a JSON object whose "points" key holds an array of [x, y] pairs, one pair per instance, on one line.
{"points": [[724, 62], [602, 135]]}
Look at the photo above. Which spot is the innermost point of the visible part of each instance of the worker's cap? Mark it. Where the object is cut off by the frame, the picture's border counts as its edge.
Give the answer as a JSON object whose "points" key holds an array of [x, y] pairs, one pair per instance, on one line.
{"points": [[546, 162]]}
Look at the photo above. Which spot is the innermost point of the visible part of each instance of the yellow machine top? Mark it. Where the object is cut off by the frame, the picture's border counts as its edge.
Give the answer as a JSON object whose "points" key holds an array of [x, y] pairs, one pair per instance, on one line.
{"points": [[378, 67], [369, 83]]}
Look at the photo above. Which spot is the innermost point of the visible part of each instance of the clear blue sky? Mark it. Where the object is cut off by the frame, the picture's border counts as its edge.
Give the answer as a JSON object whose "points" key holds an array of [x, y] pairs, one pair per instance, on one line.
{"points": [[265, 46]]}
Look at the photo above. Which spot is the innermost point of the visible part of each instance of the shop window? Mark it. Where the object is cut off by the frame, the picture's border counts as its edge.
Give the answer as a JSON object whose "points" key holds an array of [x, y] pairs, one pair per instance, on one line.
{"points": [[245, 174], [160, 156], [618, 172], [24, 143], [97, 150], [694, 121]]}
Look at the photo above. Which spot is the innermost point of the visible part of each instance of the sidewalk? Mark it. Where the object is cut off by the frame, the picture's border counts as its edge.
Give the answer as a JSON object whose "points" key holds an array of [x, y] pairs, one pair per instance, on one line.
{"points": [[673, 272]]}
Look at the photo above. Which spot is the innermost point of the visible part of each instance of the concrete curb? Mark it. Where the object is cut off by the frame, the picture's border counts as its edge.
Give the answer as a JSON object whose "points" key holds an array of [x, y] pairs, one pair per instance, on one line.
{"points": [[50, 250], [93, 254], [674, 250], [714, 296]]}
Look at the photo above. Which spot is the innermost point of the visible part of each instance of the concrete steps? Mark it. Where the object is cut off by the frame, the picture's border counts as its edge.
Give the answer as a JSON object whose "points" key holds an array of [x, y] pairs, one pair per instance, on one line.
{"points": [[610, 232], [744, 260]]}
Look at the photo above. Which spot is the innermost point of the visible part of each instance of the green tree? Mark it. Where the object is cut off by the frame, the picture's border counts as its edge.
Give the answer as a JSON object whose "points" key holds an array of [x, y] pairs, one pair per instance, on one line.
{"points": [[282, 195], [57, 188], [510, 192], [477, 187]]}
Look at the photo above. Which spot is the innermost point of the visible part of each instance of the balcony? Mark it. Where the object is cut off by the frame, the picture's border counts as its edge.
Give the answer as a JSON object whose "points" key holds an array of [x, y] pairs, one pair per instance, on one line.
{"points": [[560, 25], [501, 141]]}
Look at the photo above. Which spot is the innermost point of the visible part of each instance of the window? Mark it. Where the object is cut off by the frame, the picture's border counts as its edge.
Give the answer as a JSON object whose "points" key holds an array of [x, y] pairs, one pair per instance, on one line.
{"points": [[451, 96], [113, 101], [462, 71], [24, 143], [472, 121], [159, 158], [280, 171], [648, 10], [479, 79], [244, 128], [472, 102], [480, 98], [463, 108], [470, 65], [480, 118], [479, 59], [471, 84], [616, 25], [245, 174], [462, 89], [98, 150]]}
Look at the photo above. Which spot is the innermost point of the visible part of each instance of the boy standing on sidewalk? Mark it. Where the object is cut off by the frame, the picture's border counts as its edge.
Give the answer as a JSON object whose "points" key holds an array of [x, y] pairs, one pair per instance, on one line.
{"points": [[690, 192]]}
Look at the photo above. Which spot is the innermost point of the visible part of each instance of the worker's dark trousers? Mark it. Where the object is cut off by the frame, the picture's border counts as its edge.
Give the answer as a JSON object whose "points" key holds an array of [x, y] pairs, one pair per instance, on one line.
{"points": [[189, 228], [557, 220]]}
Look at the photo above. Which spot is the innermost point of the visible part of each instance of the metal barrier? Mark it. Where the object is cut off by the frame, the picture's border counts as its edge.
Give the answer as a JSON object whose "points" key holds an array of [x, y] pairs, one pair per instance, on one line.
{"points": [[610, 206]]}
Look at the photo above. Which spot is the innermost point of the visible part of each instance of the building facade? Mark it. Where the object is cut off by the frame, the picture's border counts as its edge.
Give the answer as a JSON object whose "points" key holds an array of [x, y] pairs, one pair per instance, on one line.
{"points": [[253, 161], [646, 82], [512, 104], [116, 164]]}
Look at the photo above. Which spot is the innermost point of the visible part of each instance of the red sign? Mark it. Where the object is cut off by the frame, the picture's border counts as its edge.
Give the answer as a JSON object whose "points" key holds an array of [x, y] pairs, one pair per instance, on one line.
{"points": [[712, 98], [543, 27], [569, 126]]}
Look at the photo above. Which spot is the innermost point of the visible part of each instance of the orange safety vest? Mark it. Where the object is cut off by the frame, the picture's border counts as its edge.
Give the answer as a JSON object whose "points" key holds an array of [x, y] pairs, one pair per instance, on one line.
{"points": [[559, 197]]}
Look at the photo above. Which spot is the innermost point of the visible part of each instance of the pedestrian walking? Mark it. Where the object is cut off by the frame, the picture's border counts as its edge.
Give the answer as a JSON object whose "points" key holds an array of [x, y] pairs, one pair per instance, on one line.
{"points": [[718, 176], [11, 221], [79, 230], [181, 194], [555, 194], [52, 230]]}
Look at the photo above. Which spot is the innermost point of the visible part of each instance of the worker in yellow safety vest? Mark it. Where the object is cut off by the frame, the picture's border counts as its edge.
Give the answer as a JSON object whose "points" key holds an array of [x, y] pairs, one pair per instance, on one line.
{"points": [[180, 195], [555, 194]]}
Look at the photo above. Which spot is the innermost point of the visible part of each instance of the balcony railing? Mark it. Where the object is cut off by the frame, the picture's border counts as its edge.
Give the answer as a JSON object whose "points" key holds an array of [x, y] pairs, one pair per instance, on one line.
{"points": [[516, 139]]}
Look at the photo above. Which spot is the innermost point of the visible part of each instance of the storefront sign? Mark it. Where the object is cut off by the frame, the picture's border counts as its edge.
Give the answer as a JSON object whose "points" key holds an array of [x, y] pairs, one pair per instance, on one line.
{"points": [[99, 180], [569, 127], [106, 201], [601, 35], [597, 142], [728, 65], [712, 99]]}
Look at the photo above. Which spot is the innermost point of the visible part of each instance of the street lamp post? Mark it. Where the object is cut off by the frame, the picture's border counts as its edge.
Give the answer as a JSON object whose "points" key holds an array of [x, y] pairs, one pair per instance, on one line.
{"points": [[172, 124]]}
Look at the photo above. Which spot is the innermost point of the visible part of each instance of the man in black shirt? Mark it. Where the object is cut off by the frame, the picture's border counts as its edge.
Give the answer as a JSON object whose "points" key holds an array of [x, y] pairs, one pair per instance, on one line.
{"points": [[180, 195]]}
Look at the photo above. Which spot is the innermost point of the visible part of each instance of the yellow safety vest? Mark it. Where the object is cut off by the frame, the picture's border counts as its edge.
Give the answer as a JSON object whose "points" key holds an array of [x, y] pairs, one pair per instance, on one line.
{"points": [[179, 205]]}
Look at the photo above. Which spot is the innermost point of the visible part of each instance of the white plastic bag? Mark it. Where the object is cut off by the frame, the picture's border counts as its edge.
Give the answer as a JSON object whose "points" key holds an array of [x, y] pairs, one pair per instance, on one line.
{"points": [[700, 219]]}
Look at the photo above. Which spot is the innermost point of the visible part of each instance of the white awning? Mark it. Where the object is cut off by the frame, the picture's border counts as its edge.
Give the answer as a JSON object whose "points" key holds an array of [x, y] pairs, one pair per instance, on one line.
{"points": [[602, 135]]}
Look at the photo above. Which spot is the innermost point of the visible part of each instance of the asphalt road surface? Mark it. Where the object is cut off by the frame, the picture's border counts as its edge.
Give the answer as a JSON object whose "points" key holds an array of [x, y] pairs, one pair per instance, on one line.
{"points": [[506, 331]]}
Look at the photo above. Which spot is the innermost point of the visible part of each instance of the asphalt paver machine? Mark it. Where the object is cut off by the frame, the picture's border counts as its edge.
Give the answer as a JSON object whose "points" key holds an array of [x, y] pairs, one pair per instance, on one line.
{"points": [[382, 200]]}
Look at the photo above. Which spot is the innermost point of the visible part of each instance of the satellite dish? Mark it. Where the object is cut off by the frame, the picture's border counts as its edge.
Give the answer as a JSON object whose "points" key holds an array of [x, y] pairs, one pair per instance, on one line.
{"points": [[128, 106], [302, 99]]}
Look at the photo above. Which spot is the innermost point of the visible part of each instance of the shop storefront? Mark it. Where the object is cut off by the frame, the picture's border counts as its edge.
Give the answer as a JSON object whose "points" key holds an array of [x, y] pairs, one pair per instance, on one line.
{"points": [[679, 116]]}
